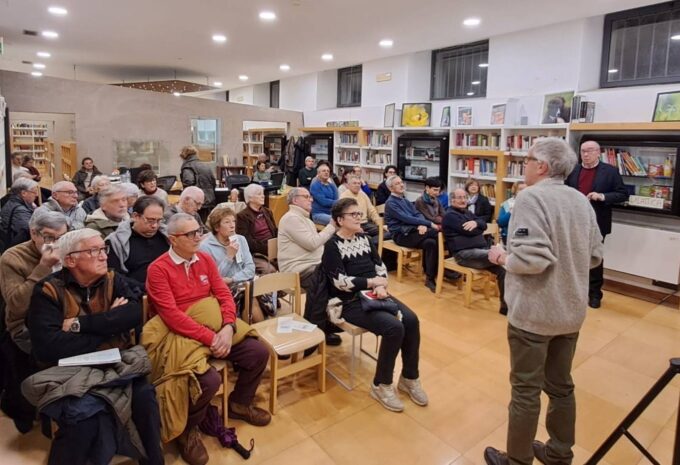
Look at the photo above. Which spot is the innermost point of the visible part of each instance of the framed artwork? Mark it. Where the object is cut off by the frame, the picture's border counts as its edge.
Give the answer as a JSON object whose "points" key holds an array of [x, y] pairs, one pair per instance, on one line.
{"points": [[464, 116], [389, 115], [556, 108], [446, 117], [416, 115], [667, 106], [498, 114]]}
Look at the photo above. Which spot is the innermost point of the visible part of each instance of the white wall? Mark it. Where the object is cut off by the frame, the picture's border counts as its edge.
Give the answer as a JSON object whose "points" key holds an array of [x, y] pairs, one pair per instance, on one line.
{"points": [[243, 95], [299, 93], [374, 93], [261, 95], [327, 89], [418, 80]]}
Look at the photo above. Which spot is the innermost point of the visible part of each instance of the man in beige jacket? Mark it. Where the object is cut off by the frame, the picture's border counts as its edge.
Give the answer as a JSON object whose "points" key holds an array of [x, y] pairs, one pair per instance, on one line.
{"points": [[370, 219], [300, 250]]}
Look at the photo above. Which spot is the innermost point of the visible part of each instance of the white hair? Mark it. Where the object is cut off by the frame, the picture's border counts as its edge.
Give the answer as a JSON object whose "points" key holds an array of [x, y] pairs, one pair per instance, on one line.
{"points": [[389, 181], [61, 185], [175, 220], [131, 190], [251, 191], [191, 192], [557, 154], [69, 242], [21, 174], [97, 180], [42, 219], [113, 189], [23, 184]]}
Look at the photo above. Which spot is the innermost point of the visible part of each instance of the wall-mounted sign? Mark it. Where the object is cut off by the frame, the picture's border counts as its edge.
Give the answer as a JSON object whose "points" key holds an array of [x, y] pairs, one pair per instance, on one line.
{"points": [[647, 202], [382, 77]]}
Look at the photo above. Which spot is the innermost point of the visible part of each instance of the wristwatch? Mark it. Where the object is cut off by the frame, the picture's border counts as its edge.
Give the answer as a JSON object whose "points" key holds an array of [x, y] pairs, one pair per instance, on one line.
{"points": [[75, 326]]}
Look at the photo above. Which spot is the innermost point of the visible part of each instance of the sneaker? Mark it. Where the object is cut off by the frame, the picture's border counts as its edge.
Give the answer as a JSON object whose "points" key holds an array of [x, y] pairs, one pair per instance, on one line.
{"points": [[250, 414], [493, 456], [413, 388], [385, 394], [191, 447]]}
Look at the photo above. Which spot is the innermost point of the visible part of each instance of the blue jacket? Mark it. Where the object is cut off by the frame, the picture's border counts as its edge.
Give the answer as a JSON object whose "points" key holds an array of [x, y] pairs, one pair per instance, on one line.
{"points": [[324, 196], [402, 217], [503, 219], [241, 268]]}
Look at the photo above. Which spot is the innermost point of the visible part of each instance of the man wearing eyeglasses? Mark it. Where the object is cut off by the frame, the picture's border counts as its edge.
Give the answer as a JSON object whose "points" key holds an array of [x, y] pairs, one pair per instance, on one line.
{"points": [[190, 201], [111, 213], [65, 200], [81, 309], [21, 267], [135, 244]]}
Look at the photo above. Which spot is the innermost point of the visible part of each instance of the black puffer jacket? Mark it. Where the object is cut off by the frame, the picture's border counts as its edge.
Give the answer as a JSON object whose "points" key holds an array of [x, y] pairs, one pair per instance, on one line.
{"points": [[196, 173], [14, 218]]}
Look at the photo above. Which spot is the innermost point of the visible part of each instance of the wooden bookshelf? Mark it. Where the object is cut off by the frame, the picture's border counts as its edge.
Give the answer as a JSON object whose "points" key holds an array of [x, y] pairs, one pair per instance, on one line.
{"points": [[29, 138], [69, 159], [254, 145], [586, 127]]}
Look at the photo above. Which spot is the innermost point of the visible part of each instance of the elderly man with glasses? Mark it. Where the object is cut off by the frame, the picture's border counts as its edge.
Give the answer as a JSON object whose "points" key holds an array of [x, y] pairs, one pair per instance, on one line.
{"points": [[113, 211], [16, 213], [190, 201], [65, 200], [81, 309], [196, 319]]}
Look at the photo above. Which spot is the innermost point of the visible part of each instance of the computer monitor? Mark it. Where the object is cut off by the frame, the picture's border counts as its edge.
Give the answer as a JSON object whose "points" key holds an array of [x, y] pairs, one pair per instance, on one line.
{"points": [[277, 179]]}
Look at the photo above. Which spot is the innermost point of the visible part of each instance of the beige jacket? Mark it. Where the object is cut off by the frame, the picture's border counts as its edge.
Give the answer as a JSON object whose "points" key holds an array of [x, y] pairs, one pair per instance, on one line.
{"points": [[368, 211], [300, 244]]}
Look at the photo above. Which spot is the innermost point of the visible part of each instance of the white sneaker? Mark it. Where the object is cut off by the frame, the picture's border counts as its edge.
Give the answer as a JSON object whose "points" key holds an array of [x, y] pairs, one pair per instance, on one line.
{"points": [[387, 396], [413, 388]]}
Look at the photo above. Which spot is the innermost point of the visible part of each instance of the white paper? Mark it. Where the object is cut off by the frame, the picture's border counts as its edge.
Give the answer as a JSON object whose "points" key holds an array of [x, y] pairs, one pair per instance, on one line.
{"points": [[287, 324], [93, 358]]}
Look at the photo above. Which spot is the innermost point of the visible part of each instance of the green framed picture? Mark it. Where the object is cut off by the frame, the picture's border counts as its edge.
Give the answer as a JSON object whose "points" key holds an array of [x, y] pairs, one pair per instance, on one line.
{"points": [[667, 107]]}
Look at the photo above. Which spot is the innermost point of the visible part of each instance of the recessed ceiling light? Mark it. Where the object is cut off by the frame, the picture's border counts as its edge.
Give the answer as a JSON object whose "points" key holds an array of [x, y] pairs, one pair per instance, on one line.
{"points": [[242, 77], [327, 56], [386, 43], [267, 15], [476, 83], [176, 94], [284, 67], [36, 73], [219, 38], [50, 34], [44, 54], [472, 22], [470, 93], [484, 65], [38, 66], [58, 11], [675, 37], [612, 71], [217, 84]]}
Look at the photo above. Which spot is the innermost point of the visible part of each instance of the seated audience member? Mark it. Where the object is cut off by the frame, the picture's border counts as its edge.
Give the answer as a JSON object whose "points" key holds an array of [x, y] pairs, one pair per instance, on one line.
{"points": [[364, 185], [261, 174], [80, 309], [135, 244], [256, 224], [506, 209], [197, 320], [464, 235], [27, 162], [370, 220], [353, 265], [84, 177], [300, 247], [344, 179], [307, 174], [132, 192], [65, 200], [99, 183], [190, 202], [428, 203], [409, 228], [148, 183], [19, 174], [17, 166], [234, 203], [21, 267], [477, 202], [383, 192], [324, 194], [16, 213], [112, 212]]}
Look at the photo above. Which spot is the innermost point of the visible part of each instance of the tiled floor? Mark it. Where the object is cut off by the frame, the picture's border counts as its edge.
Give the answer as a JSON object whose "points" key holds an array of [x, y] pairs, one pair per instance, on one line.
{"points": [[623, 348]]}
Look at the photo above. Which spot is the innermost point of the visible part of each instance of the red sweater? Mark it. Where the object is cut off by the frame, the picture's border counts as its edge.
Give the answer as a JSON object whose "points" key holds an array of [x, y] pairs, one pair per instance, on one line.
{"points": [[172, 291]]}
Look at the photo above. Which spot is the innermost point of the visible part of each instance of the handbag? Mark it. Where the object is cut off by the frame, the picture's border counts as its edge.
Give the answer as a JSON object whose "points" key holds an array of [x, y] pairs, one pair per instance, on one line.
{"points": [[370, 303]]}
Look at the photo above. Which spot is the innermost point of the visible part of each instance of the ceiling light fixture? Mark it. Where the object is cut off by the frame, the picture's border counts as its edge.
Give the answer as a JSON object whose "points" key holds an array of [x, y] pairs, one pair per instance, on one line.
{"points": [[484, 65], [58, 11], [470, 94], [386, 43], [476, 83], [44, 54], [284, 67], [242, 77], [219, 38], [176, 94], [472, 22], [50, 34], [675, 37], [36, 73], [267, 15], [217, 84], [327, 57], [38, 66], [612, 71]]}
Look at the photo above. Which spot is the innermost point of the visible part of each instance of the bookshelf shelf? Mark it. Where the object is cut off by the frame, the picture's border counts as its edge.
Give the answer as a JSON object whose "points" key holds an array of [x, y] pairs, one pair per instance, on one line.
{"points": [[476, 152]]}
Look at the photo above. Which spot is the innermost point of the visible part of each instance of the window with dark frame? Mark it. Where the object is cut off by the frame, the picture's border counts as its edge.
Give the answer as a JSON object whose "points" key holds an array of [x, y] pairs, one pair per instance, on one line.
{"points": [[460, 71], [349, 86], [274, 87], [641, 46]]}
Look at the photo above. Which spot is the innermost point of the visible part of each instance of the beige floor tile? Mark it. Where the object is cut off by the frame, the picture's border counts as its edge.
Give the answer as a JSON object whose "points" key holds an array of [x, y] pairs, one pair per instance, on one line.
{"points": [[307, 452], [662, 447], [665, 316]]}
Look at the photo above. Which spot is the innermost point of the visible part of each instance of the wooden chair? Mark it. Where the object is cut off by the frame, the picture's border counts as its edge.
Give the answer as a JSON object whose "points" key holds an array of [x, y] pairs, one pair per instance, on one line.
{"points": [[353, 331], [282, 344], [405, 255]]}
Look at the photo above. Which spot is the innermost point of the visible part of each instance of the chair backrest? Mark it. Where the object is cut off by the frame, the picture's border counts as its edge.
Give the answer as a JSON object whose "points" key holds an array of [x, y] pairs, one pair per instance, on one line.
{"points": [[269, 283], [492, 230], [381, 236], [237, 180], [273, 249], [166, 182], [380, 209]]}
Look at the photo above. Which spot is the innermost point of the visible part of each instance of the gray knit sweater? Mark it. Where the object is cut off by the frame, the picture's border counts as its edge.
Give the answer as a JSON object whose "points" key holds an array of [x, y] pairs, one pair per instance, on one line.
{"points": [[553, 241]]}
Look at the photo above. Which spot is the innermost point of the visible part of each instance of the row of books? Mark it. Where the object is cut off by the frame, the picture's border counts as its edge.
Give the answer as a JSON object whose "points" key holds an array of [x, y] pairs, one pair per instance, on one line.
{"points": [[476, 166], [660, 192], [373, 177], [487, 190], [378, 158], [348, 156], [516, 169], [582, 111], [379, 138], [488, 141], [349, 138], [29, 132], [627, 164], [522, 142]]}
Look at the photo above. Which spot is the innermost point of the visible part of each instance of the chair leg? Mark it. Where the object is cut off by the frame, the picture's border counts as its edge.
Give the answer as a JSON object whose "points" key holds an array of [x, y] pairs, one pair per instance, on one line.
{"points": [[351, 363], [225, 397], [400, 265], [274, 364], [321, 370], [487, 288], [468, 290]]}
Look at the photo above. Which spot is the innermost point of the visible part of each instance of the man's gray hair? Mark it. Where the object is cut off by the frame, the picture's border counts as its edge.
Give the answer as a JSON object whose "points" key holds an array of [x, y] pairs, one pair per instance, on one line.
{"points": [[113, 189], [191, 192], [130, 189], [389, 181], [294, 192], [23, 184], [42, 219], [175, 220], [21, 174], [60, 185], [70, 242], [251, 191], [557, 154], [308, 158], [97, 180]]}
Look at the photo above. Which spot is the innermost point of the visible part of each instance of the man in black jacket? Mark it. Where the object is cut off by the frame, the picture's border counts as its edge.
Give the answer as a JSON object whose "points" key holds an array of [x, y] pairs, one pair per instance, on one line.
{"points": [[604, 187], [464, 235]]}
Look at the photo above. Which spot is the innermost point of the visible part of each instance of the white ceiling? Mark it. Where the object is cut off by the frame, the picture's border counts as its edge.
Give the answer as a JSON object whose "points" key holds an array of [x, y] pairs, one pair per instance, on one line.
{"points": [[112, 41]]}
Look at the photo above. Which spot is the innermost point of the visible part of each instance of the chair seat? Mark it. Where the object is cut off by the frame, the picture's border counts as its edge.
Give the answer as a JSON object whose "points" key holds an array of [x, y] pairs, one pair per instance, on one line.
{"points": [[451, 264], [217, 363], [351, 329], [391, 245], [287, 343]]}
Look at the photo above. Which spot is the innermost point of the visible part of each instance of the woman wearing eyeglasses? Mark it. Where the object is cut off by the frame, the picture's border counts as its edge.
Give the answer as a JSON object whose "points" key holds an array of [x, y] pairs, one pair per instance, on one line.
{"points": [[353, 265], [478, 203]]}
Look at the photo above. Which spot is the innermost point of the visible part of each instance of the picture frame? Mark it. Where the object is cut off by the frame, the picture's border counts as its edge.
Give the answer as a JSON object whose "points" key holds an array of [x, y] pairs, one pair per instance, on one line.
{"points": [[389, 115], [416, 115], [667, 107], [498, 114], [556, 108], [464, 116], [446, 117]]}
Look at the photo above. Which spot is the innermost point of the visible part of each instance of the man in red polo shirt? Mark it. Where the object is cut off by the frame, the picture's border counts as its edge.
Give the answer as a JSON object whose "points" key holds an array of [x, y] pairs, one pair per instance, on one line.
{"points": [[177, 280]]}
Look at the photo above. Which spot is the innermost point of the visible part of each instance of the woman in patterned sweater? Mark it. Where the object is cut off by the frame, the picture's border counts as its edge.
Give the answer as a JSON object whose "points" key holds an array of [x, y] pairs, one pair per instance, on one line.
{"points": [[353, 265]]}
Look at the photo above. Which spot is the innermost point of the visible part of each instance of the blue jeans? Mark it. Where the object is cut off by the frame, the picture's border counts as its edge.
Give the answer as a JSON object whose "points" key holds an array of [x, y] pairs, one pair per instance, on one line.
{"points": [[321, 218]]}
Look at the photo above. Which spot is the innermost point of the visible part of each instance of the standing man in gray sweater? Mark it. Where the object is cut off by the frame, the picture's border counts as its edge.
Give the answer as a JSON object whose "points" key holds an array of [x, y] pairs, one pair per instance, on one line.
{"points": [[546, 291]]}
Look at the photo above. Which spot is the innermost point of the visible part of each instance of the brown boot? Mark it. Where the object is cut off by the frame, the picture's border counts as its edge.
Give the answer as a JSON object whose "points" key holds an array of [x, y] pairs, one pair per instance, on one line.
{"points": [[250, 414], [191, 447]]}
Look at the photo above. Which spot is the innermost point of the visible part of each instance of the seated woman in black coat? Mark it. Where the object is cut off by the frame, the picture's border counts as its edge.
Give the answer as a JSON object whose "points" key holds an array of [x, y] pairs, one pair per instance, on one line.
{"points": [[383, 192], [478, 203], [353, 265]]}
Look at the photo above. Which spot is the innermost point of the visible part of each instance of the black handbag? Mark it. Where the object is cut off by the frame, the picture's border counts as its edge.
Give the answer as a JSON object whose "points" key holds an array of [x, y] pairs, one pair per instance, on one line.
{"points": [[373, 304]]}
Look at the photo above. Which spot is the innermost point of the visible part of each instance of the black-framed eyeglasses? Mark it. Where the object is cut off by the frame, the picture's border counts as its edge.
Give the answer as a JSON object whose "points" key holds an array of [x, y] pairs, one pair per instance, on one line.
{"points": [[152, 221], [304, 196], [49, 238], [190, 234], [355, 215], [94, 252]]}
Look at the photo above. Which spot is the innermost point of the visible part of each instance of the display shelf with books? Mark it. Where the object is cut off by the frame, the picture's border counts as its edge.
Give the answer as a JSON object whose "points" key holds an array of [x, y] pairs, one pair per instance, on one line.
{"points": [[476, 139], [28, 138], [69, 157], [257, 141]]}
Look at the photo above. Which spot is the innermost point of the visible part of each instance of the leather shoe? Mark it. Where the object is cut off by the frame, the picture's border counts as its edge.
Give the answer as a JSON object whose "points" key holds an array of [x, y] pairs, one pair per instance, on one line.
{"points": [[493, 456], [503, 310], [594, 303], [430, 284], [333, 339], [250, 414], [539, 452], [191, 447], [452, 275]]}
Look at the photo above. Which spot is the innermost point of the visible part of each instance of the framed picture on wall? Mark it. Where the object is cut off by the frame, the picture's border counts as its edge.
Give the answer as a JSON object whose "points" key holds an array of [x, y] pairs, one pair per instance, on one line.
{"points": [[416, 115], [556, 108], [667, 106], [498, 114], [464, 116], [446, 117], [389, 115]]}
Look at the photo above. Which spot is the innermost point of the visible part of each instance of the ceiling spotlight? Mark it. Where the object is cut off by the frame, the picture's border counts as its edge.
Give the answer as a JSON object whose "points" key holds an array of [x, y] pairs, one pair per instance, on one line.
{"points": [[36, 73], [386, 43], [284, 67], [472, 22], [242, 77], [675, 37], [327, 57], [476, 83], [267, 15], [612, 71], [217, 84], [58, 11], [38, 66], [50, 34], [44, 54], [484, 65], [469, 94], [176, 94], [219, 38]]}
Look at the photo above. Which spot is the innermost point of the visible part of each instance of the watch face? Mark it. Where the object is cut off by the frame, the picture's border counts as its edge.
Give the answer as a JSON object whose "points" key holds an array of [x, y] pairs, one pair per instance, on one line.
{"points": [[75, 326]]}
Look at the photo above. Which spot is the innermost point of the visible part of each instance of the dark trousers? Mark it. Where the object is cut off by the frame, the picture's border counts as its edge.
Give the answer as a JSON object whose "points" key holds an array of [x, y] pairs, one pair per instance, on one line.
{"points": [[315, 283], [396, 335], [428, 243], [596, 280], [479, 260], [541, 363], [16, 366]]}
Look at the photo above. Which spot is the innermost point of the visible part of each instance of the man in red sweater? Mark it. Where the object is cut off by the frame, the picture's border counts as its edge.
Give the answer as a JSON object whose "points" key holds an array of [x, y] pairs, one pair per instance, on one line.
{"points": [[175, 281]]}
